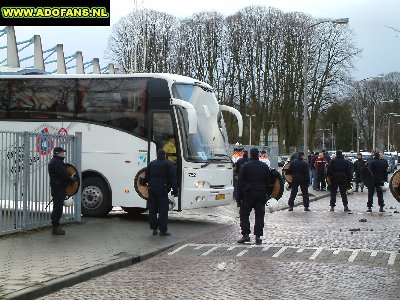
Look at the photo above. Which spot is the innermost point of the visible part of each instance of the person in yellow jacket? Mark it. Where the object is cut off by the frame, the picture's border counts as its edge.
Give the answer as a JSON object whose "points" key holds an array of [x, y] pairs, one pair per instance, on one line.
{"points": [[170, 149]]}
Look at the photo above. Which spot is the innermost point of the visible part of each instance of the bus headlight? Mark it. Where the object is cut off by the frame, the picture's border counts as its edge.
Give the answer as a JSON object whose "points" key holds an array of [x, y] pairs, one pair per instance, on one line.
{"points": [[199, 184]]}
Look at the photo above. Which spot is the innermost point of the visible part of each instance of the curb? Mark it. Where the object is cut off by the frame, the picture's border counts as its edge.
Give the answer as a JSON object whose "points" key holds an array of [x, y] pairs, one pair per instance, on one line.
{"points": [[312, 199], [54, 285]]}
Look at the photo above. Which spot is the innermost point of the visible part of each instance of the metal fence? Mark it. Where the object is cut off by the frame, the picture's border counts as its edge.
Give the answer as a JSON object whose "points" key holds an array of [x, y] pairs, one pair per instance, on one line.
{"points": [[25, 182]]}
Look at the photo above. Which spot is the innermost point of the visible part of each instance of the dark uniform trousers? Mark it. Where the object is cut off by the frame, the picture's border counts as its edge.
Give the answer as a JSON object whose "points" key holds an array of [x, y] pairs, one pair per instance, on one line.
{"points": [[379, 193], [343, 192], [158, 202], [304, 191], [58, 205], [252, 200]]}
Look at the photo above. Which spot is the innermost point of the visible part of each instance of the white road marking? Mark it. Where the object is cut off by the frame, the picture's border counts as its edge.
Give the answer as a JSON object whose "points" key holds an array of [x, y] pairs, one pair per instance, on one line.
{"points": [[209, 251], [316, 253], [337, 251], [353, 255], [178, 249], [280, 251], [392, 258], [373, 253], [300, 250], [241, 253]]}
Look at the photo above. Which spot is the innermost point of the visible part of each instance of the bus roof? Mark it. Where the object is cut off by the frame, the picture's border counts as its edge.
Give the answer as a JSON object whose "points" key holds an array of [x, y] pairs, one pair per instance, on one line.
{"points": [[167, 76]]}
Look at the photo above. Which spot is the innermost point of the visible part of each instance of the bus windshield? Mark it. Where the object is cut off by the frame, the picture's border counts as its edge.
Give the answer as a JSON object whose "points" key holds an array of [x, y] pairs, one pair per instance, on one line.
{"points": [[208, 143]]}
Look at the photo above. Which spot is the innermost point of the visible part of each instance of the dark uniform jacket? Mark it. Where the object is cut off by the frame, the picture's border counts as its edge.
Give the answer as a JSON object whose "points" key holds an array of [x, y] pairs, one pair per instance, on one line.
{"points": [[379, 167], [339, 169], [59, 177], [240, 162], [161, 175], [253, 176], [358, 164], [300, 171]]}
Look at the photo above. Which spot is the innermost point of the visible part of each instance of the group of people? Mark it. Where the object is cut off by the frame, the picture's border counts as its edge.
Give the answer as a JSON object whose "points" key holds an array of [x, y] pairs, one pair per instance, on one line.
{"points": [[340, 172], [252, 177]]}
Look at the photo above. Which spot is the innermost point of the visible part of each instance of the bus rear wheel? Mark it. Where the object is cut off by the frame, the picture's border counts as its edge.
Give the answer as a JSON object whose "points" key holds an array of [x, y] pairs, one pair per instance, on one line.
{"points": [[96, 201]]}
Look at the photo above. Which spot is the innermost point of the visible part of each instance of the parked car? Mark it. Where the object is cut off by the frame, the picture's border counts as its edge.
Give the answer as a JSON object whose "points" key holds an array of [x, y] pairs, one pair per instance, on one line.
{"points": [[282, 160]]}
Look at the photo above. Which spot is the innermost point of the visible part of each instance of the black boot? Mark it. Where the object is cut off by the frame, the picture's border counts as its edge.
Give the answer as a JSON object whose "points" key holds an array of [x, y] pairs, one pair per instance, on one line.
{"points": [[57, 230], [258, 240], [155, 232], [244, 239], [346, 208], [381, 209]]}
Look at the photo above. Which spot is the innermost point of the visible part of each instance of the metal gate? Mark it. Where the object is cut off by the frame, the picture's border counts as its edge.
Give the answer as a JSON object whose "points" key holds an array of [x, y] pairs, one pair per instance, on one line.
{"points": [[25, 182]]}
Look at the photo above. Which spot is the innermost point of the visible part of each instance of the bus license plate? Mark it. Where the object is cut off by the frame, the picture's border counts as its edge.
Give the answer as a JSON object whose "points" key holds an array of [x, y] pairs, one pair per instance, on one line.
{"points": [[220, 197]]}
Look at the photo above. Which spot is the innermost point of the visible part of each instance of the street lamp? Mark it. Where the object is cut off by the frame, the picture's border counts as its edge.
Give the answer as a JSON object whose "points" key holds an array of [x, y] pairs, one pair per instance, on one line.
{"points": [[388, 128], [305, 65], [250, 125], [373, 137]]}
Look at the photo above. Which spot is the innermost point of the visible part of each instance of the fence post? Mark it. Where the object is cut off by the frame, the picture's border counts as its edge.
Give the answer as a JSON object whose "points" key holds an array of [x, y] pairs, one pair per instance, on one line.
{"points": [[16, 179], [78, 164], [25, 174]]}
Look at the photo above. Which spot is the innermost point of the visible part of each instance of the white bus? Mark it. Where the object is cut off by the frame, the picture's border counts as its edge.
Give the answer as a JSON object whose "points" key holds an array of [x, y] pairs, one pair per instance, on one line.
{"points": [[124, 120]]}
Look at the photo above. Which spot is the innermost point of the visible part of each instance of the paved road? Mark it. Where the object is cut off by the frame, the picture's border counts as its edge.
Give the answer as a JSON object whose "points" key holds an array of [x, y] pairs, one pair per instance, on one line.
{"points": [[305, 255]]}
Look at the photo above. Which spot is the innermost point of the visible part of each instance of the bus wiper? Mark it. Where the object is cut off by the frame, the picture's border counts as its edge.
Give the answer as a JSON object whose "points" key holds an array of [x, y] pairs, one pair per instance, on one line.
{"points": [[210, 160]]}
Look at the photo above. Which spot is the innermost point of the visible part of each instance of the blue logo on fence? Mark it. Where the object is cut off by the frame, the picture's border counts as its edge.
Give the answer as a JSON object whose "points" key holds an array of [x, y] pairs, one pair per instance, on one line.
{"points": [[44, 143]]}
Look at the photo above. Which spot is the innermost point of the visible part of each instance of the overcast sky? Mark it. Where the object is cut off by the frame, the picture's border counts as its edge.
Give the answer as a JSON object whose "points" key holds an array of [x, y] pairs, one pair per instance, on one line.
{"points": [[368, 18]]}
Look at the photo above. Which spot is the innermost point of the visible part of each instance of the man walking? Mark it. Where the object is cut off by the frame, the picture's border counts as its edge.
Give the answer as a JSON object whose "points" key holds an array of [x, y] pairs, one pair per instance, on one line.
{"points": [[299, 170], [252, 191], [160, 176], [340, 172], [378, 168], [59, 179]]}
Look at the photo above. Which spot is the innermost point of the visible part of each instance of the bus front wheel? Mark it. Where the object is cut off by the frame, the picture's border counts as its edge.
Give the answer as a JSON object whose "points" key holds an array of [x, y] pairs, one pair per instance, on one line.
{"points": [[95, 198]]}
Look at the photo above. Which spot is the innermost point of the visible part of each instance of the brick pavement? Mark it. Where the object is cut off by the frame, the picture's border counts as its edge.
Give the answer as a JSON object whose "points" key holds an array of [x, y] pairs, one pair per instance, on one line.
{"points": [[305, 255]]}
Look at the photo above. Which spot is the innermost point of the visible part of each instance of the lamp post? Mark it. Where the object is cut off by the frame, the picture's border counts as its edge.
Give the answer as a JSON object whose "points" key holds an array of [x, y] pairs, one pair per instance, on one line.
{"points": [[323, 137], [388, 128], [373, 137], [305, 65], [250, 126]]}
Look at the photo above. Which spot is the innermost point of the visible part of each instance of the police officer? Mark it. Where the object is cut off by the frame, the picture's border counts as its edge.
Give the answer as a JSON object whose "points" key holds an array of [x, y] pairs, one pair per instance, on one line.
{"points": [[357, 165], [240, 162], [252, 190], [378, 168], [340, 172], [160, 176], [59, 179], [300, 172]]}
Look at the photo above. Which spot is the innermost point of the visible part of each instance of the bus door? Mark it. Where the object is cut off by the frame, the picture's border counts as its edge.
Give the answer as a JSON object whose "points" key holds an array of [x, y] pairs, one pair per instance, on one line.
{"points": [[163, 135]]}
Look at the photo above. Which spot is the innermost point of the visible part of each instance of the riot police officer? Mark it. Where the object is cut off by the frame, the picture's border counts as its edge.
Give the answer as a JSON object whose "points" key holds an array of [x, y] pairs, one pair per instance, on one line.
{"points": [[341, 174], [161, 177], [378, 168], [300, 172], [59, 179], [357, 165], [252, 190]]}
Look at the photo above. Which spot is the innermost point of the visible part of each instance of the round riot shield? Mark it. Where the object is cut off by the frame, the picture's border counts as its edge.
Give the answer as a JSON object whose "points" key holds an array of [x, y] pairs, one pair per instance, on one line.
{"points": [[275, 188], [288, 177], [73, 187], [394, 185], [140, 186]]}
